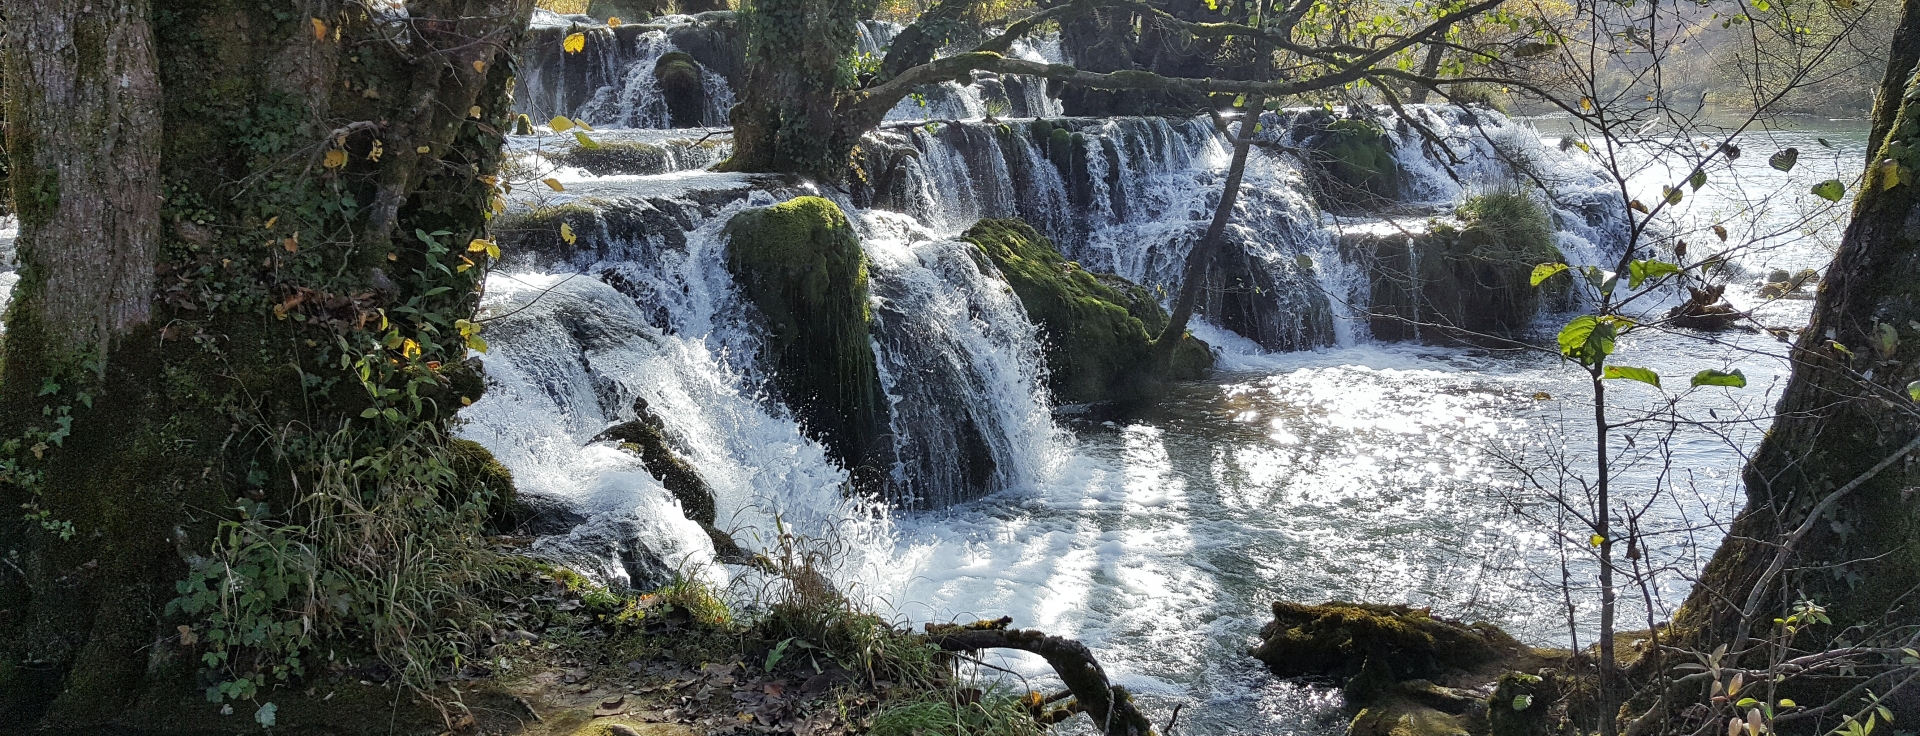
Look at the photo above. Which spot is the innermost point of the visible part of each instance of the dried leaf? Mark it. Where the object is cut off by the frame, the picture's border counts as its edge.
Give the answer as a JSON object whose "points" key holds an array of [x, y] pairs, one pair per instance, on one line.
{"points": [[479, 66], [1720, 231], [553, 184], [566, 234], [378, 149], [335, 158], [613, 22], [187, 637], [475, 111], [574, 43], [319, 29]]}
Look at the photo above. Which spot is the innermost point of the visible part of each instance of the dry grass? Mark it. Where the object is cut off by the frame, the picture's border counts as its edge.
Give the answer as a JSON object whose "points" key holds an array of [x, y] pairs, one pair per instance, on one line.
{"points": [[564, 7]]}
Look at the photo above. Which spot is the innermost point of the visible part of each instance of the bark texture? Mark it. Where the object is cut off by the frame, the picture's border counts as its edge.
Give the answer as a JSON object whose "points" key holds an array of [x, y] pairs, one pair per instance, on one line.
{"points": [[1820, 483], [216, 196], [85, 116]]}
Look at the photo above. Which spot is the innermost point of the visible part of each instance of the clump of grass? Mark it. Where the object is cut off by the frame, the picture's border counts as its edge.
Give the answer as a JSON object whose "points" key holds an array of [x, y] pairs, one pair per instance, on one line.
{"points": [[951, 713]]}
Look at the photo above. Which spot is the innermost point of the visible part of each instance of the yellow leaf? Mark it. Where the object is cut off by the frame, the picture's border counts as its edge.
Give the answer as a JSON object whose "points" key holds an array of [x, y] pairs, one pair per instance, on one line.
{"points": [[409, 348], [583, 125], [1889, 174], [493, 251], [464, 401], [474, 112], [1586, 104], [378, 148], [1636, 206], [574, 43], [1596, 540], [499, 205], [319, 29], [423, 149], [336, 158], [559, 124], [479, 66], [613, 22], [553, 184], [566, 233], [271, 221], [479, 245]]}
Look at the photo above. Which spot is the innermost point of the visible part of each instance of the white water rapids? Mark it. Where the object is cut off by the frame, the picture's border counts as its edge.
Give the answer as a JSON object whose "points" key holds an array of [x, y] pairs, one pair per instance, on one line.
{"points": [[1342, 469]]}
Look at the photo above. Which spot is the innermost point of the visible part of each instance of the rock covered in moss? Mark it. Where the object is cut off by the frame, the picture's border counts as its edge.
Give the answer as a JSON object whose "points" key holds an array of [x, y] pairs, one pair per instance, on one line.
{"points": [[1475, 277], [478, 472], [1357, 159], [1097, 329], [800, 264], [616, 158], [1340, 640], [678, 77]]}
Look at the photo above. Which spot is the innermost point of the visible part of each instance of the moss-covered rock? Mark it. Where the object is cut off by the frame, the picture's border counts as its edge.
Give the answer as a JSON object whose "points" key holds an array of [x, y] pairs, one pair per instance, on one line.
{"points": [[616, 158], [1357, 159], [1474, 278], [1401, 716], [800, 263], [1340, 639], [678, 76], [1097, 329], [478, 471]]}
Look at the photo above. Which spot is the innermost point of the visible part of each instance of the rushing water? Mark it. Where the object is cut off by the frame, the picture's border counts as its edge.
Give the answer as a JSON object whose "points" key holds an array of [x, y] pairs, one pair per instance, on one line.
{"points": [[1315, 464]]}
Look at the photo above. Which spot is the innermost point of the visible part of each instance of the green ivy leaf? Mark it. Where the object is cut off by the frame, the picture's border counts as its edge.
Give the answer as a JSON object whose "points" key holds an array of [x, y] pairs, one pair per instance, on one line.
{"points": [[1632, 373], [1546, 271], [1734, 379], [1831, 190]]}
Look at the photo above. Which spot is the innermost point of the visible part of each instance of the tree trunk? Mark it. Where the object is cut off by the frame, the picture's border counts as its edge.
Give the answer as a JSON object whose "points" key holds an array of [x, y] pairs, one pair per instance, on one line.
{"points": [[796, 65], [1845, 411], [1429, 68], [208, 236], [1200, 259]]}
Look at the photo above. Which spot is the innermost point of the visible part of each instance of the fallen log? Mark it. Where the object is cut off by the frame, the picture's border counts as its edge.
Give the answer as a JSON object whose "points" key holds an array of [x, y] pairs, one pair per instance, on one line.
{"points": [[1109, 705]]}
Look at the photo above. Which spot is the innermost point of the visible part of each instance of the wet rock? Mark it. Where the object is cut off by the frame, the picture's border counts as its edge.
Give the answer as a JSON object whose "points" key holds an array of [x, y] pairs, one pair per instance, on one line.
{"points": [[1705, 309], [1278, 305], [645, 436], [1783, 285], [613, 158], [678, 76], [800, 264], [1097, 329]]}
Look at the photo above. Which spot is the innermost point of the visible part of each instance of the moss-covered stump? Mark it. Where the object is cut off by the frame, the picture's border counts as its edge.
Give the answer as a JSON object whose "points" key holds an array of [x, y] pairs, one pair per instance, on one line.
{"points": [[1097, 329], [616, 158], [646, 437], [1340, 639], [1357, 161], [1474, 278], [800, 264], [679, 78]]}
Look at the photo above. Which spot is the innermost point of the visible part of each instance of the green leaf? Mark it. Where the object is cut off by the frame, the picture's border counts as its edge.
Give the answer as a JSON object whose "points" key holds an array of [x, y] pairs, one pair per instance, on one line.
{"points": [[1522, 701], [1913, 390], [369, 413], [1785, 159], [1587, 339], [1788, 703], [1632, 374], [1639, 272], [1698, 180], [1674, 195], [1831, 190], [1546, 271], [1734, 379], [585, 142]]}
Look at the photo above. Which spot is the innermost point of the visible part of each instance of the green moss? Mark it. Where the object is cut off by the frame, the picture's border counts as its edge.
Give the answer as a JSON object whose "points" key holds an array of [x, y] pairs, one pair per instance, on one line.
{"points": [[1475, 278], [1354, 154], [1339, 639], [613, 158], [477, 472], [1097, 329], [800, 263]]}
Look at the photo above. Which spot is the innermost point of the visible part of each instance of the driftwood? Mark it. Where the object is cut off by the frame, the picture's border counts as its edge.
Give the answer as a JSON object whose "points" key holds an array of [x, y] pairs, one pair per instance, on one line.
{"points": [[1108, 704], [1705, 310]]}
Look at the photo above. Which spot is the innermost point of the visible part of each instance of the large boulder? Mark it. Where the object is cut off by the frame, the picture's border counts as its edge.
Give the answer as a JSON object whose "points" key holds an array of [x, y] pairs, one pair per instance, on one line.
{"points": [[800, 264], [1356, 158], [1471, 277], [1342, 640], [1097, 330], [678, 76]]}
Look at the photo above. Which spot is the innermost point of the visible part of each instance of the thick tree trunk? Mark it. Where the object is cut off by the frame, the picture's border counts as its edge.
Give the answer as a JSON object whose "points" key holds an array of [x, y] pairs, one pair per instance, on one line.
{"points": [[797, 67], [1820, 483], [1429, 68], [207, 232], [1200, 259]]}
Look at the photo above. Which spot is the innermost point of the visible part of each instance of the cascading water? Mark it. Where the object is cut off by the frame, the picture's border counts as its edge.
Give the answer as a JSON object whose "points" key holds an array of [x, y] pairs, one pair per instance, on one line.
{"points": [[1145, 541]]}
